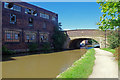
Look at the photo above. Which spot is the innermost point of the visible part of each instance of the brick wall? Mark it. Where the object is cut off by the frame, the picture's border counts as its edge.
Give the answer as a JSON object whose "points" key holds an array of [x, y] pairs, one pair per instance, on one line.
{"points": [[22, 24]]}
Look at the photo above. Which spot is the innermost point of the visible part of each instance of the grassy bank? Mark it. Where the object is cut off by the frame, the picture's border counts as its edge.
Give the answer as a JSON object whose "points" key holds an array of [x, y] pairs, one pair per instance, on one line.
{"points": [[114, 51], [108, 49], [82, 68]]}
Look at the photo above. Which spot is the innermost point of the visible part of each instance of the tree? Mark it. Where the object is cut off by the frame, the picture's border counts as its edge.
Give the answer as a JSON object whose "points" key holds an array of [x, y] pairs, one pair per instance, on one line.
{"points": [[59, 37], [92, 41], [110, 18], [114, 39]]}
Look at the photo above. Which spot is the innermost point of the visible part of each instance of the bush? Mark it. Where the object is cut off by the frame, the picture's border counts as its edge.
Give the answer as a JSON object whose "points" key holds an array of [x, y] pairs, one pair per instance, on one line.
{"points": [[46, 47], [6, 51], [59, 37], [114, 40], [33, 47]]}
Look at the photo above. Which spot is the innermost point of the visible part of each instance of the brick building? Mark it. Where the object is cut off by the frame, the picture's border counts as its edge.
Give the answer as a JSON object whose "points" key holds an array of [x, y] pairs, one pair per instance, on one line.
{"points": [[23, 23]]}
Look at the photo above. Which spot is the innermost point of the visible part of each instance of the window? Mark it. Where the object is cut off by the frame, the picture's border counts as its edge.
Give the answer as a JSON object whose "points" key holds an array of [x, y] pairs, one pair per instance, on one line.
{"points": [[30, 11], [53, 18], [11, 36], [12, 6], [17, 8], [12, 18], [27, 37], [30, 20], [34, 13], [8, 5], [27, 11], [42, 15], [16, 36], [33, 37], [30, 37], [44, 25], [43, 37], [8, 35], [46, 16]]}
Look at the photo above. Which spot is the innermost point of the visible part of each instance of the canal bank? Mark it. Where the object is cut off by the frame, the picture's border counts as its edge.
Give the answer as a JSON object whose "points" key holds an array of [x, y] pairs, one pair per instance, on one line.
{"points": [[40, 65], [81, 68]]}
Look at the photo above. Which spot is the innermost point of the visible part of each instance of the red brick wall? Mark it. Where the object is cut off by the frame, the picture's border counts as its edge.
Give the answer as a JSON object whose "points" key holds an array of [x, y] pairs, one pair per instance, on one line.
{"points": [[22, 23]]}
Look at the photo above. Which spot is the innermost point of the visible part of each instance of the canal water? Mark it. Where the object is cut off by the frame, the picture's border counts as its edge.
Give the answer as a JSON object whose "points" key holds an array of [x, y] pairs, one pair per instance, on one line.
{"points": [[40, 65]]}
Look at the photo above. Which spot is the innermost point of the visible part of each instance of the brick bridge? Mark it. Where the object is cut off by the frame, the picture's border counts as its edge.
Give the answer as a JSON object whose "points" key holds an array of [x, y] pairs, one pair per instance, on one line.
{"points": [[76, 36]]}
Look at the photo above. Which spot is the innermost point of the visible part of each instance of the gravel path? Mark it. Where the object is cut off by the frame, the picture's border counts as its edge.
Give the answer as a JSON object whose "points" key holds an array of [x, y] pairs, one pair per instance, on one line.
{"points": [[105, 65]]}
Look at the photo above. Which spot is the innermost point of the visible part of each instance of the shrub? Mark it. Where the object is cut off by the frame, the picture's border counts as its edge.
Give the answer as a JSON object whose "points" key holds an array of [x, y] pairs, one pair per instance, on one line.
{"points": [[114, 40], [46, 47], [59, 37], [33, 47], [6, 51]]}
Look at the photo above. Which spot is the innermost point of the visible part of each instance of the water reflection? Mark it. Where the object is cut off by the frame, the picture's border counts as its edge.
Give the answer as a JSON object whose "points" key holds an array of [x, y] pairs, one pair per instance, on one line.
{"points": [[40, 66]]}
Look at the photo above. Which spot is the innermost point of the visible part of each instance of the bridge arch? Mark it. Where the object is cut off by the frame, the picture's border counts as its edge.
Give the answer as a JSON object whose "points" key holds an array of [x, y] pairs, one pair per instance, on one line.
{"points": [[94, 34], [75, 44]]}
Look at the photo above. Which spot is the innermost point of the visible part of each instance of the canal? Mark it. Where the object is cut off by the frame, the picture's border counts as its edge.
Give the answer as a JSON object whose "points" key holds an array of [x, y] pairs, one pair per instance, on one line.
{"points": [[40, 65]]}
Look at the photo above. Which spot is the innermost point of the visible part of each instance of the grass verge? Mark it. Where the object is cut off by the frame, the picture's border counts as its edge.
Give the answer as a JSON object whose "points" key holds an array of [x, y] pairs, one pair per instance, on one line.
{"points": [[114, 51], [82, 68], [108, 49]]}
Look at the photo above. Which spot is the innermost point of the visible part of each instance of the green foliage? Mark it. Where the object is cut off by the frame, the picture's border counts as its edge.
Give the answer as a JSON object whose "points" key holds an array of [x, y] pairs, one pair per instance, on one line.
{"points": [[109, 49], [114, 39], [115, 52], [59, 37], [6, 51], [33, 47], [92, 41], [110, 18], [46, 47], [81, 68]]}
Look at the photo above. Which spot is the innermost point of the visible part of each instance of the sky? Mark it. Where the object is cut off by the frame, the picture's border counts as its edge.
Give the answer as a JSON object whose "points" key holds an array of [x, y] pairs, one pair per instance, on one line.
{"points": [[74, 15]]}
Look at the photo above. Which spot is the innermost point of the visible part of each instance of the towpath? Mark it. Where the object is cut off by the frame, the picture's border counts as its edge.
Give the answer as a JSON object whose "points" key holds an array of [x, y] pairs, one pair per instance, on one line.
{"points": [[105, 65]]}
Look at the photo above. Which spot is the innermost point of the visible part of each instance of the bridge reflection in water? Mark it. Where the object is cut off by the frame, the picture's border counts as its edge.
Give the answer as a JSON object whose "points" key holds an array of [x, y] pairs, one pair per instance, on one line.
{"points": [[40, 65]]}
